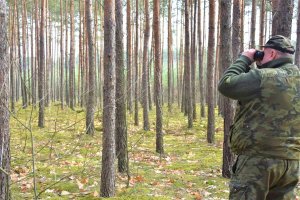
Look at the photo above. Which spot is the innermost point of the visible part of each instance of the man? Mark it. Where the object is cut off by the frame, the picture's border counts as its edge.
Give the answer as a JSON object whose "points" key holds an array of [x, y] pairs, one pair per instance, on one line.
{"points": [[266, 130]]}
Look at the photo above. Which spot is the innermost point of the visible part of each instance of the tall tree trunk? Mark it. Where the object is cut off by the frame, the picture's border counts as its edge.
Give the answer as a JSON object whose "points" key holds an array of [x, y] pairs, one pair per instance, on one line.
{"points": [[201, 65], [236, 28], [253, 24], [72, 55], [210, 74], [136, 101], [90, 110], [121, 126], [108, 144], [282, 17], [225, 60], [145, 68], [129, 67], [169, 54], [297, 54], [193, 60], [41, 77], [66, 56], [157, 78], [61, 57], [12, 62], [187, 67], [24, 78], [242, 25], [4, 112], [262, 22]]}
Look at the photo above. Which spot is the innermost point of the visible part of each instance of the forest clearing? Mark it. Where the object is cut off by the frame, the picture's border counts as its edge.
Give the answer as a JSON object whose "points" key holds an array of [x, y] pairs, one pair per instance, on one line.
{"points": [[149, 99]]}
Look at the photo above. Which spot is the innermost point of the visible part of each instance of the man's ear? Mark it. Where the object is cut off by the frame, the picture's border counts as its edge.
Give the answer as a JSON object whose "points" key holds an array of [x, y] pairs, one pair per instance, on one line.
{"points": [[273, 54]]}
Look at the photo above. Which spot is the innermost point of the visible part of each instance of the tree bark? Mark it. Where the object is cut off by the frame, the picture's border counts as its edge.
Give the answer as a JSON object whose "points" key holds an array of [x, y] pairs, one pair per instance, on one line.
{"points": [[193, 60], [210, 73], [4, 112], [108, 144], [236, 28], [262, 23], [145, 68], [72, 55], [61, 57], [282, 17], [129, 67], [253, 24], [187, 67], [157, 78], [91, 83], [136, 100], [41, 122], [225, 61], [121, 126], [169, 54]]}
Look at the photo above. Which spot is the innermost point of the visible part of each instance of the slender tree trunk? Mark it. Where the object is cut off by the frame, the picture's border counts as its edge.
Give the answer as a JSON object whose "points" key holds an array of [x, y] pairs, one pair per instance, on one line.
{"points": [[225, 60], [41, 122], [210, 74], [253, 24], [169, 54], [12, 59], [262, 22], [136, 101], [24, 63], [187, 67], [201, 67], [242, 25], [4, 112], [145, 68], [108, 151], [157, 78], [129, 67], [61, 57], [121, 126], [72, 55], [236, 28], [90, 110], [193, 61], [66, 56]]}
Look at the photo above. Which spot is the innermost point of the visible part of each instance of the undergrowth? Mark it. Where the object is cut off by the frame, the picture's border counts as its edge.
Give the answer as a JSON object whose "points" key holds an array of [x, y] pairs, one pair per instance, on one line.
{"points": [[68, 161]]}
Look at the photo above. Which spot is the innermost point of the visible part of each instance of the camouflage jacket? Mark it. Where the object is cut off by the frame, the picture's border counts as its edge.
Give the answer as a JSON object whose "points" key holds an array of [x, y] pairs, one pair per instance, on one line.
{"points": [[267, 120]]}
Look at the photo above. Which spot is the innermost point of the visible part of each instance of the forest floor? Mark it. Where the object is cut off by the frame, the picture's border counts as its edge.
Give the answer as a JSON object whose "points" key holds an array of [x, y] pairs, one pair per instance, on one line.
{"points": [[68, 162]]}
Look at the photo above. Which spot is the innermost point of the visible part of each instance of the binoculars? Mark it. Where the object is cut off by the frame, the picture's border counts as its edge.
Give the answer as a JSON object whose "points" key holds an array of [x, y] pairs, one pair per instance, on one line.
{"points": [[258, 55]]}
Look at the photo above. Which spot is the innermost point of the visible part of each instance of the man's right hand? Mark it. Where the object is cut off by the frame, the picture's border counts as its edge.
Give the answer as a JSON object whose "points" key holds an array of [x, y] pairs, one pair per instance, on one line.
{"points": [[249, 54]]}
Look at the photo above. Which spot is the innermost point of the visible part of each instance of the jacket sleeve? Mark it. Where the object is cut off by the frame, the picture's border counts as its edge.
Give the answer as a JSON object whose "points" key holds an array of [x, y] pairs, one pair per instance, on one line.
{"points": [[239, 82]]}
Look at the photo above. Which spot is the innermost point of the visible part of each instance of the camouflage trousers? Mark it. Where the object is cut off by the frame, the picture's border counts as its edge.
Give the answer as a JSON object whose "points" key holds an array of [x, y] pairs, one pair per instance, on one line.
{"points": [[260, 178]]}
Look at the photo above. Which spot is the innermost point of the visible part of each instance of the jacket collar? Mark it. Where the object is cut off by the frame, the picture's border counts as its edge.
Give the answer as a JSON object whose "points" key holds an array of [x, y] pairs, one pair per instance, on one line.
{"points": [[277, 63]]}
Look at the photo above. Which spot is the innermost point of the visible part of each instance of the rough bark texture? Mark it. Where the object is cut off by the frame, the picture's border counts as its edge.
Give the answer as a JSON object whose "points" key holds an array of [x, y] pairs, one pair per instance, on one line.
{"points": [[236, 28], [90, 110], [242, 25], [121, 126], [187, 67], [210, 73], [108, 140], [145, 68], [72, 55], [129, 67], [297, 54], [225, 61], [24, 53], [4, 113], [282, 17], [12, 82], [157, 78], [253, 24], [41, 86]]}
